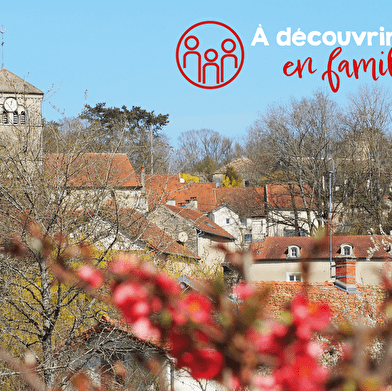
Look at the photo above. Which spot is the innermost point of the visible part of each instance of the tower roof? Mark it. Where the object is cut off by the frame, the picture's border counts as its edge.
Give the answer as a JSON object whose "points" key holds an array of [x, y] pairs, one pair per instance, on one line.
{"points": [[10, 83]]}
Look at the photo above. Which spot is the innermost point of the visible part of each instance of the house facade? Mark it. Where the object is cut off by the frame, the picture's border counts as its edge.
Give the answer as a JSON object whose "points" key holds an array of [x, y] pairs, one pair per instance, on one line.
{"points": [[350, 260], [194, 231], [109, 177], [129, 230]]}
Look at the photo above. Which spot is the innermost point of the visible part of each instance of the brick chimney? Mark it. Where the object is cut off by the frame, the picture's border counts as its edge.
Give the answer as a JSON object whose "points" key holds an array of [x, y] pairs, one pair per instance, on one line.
{"points": [[345, 274]]}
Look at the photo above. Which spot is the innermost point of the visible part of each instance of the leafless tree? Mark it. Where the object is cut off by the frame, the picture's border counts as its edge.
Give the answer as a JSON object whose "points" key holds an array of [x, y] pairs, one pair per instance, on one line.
{"points": [[294, 145], [38, 313], [364, 155], [204, 151]]}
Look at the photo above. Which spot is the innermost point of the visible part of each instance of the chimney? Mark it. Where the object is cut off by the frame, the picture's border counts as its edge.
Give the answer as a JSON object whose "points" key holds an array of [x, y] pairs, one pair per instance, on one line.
{"points": [[345, 274], [192, 203]]}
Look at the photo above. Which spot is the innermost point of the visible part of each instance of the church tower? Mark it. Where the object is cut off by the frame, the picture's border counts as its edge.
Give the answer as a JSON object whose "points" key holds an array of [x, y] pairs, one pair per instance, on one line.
{"points": [[20, 119]]}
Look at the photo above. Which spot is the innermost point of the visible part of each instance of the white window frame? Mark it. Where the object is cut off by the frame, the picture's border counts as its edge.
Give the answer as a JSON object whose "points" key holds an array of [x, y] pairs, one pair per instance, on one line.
{"points": [[297, 276], [343, 248], [290, 250]]}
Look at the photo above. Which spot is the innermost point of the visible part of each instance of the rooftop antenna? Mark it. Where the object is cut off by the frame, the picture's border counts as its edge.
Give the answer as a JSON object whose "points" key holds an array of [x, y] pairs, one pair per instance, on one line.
{"points": [[2, 31]]}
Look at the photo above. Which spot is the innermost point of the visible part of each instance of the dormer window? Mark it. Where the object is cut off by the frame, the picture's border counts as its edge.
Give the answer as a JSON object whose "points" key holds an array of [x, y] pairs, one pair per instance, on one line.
{"points": [[346, 250], [293, 252]]}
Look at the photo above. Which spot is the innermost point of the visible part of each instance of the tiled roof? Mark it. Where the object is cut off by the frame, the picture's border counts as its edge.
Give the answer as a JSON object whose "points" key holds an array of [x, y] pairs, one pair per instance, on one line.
{"points": [[161, 188], [202, 192], [11, 83], [276, 247], [200, 221], [279, 196], [92, 170], [134, 225], [246, 201], [119, 325], [364, 306]]}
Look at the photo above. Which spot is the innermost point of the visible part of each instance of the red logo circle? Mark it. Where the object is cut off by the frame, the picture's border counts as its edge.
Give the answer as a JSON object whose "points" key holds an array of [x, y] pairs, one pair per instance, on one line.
{"points": [[210, 54]]}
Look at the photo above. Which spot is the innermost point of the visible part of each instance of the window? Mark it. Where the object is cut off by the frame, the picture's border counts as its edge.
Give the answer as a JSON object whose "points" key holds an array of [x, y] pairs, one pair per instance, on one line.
{"points": [[291, 232], [293, 277], [248, 237], [227, 221], [293, 252], [346, 250], [23, 118], [5, 118], [288, 232], [15, 117], [243, 222]]}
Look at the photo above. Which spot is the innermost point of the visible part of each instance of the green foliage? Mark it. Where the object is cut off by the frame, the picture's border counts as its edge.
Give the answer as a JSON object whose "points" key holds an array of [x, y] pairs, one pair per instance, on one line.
{"points": [[207, 166], [128, 131]]}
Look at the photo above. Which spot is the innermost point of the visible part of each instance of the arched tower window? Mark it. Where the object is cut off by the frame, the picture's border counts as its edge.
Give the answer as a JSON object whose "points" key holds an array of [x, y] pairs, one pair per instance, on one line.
{"points": [[15, 116], [23, 117]]}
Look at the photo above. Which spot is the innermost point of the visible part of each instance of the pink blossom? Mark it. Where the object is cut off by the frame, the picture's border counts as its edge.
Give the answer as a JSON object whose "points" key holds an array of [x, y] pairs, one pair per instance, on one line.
{"points": [[204, 363], [197, 306], [145, 330], [168, 285], [123, 264], [309, 317], [90, 275], [243, 291], [131, 299]]}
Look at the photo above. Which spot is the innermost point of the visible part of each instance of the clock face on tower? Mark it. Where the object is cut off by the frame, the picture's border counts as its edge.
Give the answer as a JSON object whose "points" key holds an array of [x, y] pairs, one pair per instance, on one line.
{"points": [[10, 105]]}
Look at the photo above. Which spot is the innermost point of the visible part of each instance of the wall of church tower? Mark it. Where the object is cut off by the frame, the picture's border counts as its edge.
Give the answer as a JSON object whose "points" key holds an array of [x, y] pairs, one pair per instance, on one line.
{"points": [[21, 126]]}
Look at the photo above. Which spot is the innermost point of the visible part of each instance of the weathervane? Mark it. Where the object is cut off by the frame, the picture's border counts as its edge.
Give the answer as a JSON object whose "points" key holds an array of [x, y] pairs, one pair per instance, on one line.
{"points": [[2, 31]]}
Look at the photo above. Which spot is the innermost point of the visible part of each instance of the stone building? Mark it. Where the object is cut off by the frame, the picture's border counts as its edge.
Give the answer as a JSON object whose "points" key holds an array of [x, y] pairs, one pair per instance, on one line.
{"points": [[194, 231], [20, 119]]}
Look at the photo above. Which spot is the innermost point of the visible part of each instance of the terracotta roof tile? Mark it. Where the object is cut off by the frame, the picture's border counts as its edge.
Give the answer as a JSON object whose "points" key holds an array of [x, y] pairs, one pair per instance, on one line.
{"points": [[246, 201], [279, 196], [119, 325], [200, 221], [133, 224], [92, 170], [275, 247], [162, 188]]}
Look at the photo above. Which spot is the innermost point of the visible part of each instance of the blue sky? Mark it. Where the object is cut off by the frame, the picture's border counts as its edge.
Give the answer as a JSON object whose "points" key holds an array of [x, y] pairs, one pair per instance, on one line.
{"points": [[123, 53]]}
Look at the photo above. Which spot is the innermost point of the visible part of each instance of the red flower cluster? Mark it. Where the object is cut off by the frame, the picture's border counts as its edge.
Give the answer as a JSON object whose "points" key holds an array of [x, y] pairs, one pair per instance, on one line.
{"points": [[297, 354], [217, 340]]}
